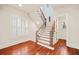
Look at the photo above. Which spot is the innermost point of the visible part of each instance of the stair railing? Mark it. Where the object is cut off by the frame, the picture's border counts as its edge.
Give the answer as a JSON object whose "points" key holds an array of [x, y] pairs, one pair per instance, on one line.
{"points": [[52, 33], [42, 26], [38, 31], [43, 16]]}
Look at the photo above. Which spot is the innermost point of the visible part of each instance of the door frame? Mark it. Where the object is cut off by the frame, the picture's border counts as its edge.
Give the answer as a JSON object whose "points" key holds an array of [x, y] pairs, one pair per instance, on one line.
{"points": [[66, 22]]}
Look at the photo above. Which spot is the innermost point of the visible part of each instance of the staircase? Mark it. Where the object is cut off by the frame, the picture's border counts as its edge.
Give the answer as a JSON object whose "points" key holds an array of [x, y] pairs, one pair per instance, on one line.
{"points": [[44, 34]]}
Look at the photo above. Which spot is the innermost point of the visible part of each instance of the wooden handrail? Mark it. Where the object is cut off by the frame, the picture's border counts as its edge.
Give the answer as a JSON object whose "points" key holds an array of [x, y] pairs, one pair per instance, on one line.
{"points": [[44, 19], [41, 27], [53, 27], [52, 30], [51, 33], [43, 22], [43, 14]]}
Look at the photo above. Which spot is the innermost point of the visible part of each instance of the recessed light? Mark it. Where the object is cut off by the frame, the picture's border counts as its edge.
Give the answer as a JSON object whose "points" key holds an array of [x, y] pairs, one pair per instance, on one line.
{"points": [[20, 5]]}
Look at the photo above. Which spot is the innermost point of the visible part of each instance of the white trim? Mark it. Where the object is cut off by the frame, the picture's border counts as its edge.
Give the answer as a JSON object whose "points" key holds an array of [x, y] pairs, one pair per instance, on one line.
{"points": [[66, 20], [52, 48]]}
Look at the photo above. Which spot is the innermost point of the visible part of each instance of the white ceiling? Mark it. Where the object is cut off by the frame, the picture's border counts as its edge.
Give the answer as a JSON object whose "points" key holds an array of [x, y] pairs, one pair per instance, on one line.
{"points": [[27, 7], [35, 7]]}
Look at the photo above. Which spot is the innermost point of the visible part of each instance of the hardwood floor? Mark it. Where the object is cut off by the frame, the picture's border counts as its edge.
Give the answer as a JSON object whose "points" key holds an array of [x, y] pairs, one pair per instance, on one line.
{"points": [[31, 48]]}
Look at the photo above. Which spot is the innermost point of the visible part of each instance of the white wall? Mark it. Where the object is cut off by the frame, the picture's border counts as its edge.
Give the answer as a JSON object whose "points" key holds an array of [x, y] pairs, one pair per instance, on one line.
{"points": [[6, 37], [48, 11], [72, 12]]}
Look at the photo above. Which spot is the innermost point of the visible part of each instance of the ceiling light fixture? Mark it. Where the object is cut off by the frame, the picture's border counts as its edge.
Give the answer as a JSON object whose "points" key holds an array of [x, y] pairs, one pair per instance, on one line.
{"points": [[20, 5]]}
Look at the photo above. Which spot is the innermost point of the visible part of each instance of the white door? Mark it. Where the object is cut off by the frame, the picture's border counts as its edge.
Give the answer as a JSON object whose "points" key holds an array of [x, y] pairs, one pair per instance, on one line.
{"points": [[61, 27]]}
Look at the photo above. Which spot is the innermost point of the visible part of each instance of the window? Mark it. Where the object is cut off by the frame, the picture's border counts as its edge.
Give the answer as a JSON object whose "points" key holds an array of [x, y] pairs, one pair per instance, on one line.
{"points": [[18, 26]]}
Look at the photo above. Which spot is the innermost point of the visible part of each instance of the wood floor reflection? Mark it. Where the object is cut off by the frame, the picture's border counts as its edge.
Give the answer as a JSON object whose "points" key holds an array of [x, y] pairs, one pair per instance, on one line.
{"points": [[31, 48]]}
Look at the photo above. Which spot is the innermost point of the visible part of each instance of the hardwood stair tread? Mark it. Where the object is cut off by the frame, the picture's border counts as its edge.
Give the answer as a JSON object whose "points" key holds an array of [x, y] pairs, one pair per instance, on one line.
{"points": [[44, 40]]}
